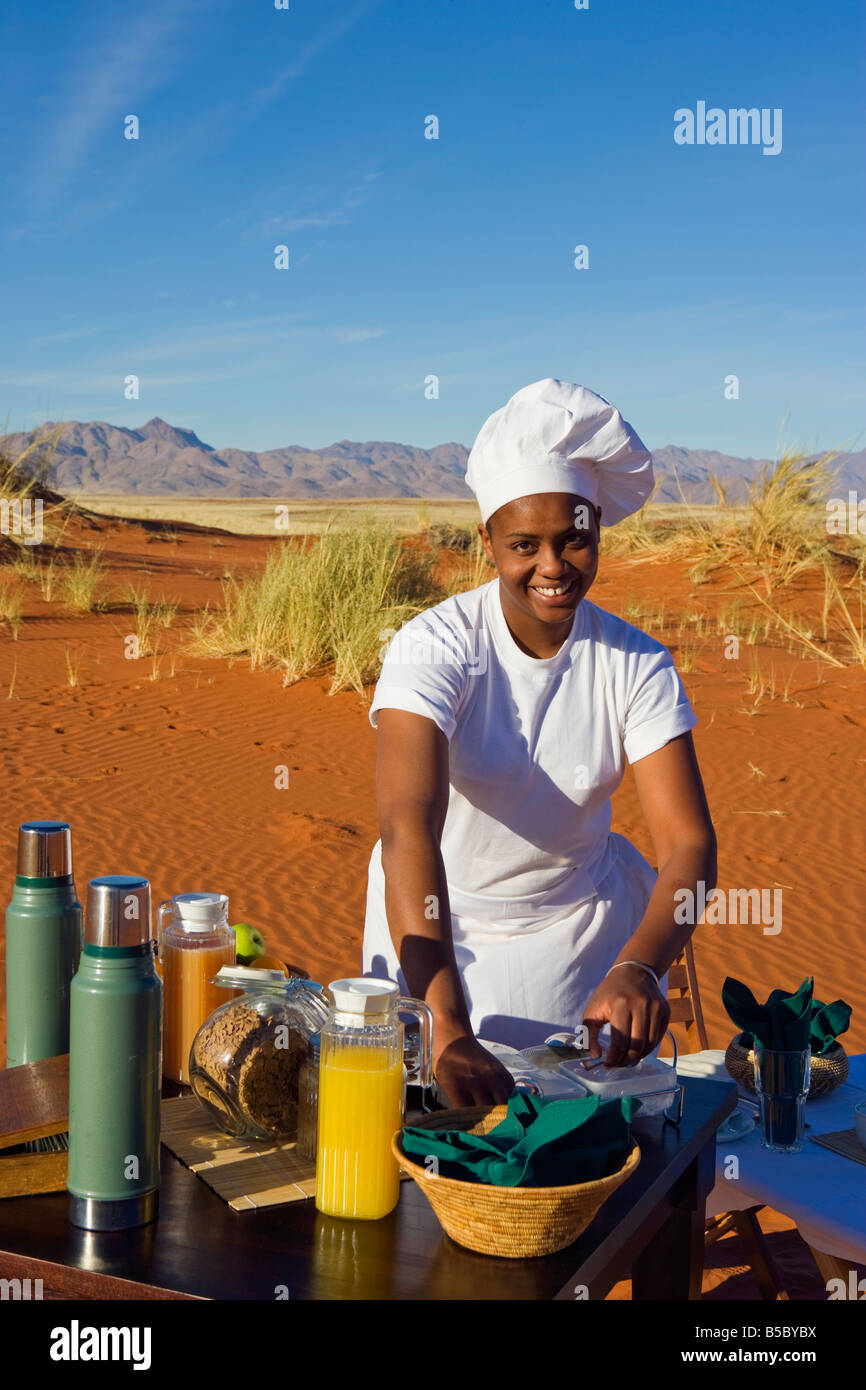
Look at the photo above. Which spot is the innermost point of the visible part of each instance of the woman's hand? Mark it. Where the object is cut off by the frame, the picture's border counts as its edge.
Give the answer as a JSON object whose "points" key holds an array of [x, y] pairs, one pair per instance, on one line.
{"points": [[468, 1073], [636, 1010]]}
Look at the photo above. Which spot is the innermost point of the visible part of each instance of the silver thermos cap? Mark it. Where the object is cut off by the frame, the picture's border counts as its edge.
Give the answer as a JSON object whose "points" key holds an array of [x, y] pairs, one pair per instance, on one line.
{"points": [[118, 911], [44, 849]]}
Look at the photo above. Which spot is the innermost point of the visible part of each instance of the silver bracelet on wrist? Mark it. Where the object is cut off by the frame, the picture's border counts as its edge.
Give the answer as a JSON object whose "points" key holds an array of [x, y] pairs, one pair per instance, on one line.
{"points": [[654, 977]]}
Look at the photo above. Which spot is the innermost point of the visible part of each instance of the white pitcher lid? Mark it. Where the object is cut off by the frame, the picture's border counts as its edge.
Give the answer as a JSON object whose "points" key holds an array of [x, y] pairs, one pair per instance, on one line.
{"points": [[363, 995], [202, 911]]}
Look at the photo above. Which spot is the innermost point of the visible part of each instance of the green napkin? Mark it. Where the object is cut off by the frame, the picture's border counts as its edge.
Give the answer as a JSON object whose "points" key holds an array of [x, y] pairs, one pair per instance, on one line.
{"points": [[828, 1021], [781, 1024], [787, 1022], [541, 1142]]}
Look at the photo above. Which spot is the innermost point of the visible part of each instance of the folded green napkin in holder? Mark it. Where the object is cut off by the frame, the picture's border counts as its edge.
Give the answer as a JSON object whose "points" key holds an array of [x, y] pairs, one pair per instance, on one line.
{"points": [[787, 1022], [541, 1142], [828, 1021]]}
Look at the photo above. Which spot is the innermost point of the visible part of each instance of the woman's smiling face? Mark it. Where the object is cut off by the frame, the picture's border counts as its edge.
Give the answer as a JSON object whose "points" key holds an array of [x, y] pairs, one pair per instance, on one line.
{"points": [[545, 548]]}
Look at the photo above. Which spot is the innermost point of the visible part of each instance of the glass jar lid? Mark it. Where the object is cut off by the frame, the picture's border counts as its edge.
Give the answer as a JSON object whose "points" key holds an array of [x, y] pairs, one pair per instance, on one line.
{"points": [[255, 981]]}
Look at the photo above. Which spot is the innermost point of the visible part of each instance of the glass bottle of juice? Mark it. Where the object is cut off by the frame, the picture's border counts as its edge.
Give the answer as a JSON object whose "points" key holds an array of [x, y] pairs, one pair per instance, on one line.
{"points": [[361, 1096], [195, 941]]}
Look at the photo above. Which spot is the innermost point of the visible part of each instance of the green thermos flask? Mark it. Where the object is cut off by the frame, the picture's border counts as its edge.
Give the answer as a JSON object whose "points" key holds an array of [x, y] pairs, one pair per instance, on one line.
{"points": [[43, 944], [115, 1061]]}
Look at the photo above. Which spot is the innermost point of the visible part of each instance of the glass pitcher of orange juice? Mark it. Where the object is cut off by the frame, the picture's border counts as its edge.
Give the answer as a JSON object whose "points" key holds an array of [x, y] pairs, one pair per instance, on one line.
{"points": [[361, 1096], [194, 940]]}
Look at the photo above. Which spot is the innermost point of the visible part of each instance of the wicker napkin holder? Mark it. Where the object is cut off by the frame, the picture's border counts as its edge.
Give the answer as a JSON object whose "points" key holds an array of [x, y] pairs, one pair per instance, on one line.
{"points": [[827, 1069]]}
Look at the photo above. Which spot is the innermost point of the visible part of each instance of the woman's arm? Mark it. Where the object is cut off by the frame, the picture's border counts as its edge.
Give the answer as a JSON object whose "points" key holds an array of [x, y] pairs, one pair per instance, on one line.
{"points": [[412, 793], [675, 807]]}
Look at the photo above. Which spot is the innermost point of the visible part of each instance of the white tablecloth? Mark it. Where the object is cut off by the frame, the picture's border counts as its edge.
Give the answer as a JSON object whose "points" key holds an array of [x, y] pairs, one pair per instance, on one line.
{"points": [[822, 1191]]}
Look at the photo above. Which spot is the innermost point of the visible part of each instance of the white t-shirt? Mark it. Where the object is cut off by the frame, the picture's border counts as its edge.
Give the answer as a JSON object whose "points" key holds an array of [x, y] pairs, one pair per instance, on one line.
{"points": [[537, 746]]}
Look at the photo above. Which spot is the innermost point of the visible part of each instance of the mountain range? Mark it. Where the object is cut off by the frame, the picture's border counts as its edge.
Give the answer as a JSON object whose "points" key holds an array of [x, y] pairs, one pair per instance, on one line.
{"points": [[163, 460]]}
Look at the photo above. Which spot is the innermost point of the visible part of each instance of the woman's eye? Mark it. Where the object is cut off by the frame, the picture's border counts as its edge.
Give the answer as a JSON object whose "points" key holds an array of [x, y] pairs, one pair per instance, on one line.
{"points": [[580, 539]]}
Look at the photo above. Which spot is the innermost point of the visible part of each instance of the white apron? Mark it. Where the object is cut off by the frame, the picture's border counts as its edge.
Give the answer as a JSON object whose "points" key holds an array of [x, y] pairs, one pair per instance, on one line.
{"points": [[529, 966]]}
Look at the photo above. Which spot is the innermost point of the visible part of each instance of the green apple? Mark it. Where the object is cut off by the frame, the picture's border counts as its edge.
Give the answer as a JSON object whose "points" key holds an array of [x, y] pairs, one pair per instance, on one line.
{"points": [[249, 944]]}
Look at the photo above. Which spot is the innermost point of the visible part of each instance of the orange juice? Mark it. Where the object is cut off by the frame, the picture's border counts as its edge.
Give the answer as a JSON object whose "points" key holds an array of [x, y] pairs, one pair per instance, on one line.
{"points": [[360, 1110], [188, 998]]}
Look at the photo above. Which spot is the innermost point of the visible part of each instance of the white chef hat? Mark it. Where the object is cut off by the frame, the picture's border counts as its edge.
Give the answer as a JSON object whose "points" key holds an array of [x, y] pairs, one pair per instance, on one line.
{"points": [[555, 436]]}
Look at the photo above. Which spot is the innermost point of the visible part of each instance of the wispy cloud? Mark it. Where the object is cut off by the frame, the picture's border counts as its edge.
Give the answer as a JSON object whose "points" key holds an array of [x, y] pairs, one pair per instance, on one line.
{"points": [[123, 67], [356, 335], [82, 381], [227, 336], [309, 51], [69, 335], [248, 344], [121, 72], [251, 336], [338, 214]]}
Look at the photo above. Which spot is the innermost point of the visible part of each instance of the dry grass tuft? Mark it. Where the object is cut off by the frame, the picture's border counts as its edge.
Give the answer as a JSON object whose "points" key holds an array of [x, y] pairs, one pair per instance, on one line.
{"points": [[332, 605]]}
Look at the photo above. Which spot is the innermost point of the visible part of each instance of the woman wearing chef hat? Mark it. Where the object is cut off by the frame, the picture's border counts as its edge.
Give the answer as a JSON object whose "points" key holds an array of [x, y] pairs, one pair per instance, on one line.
{"points": [[505, 715]]}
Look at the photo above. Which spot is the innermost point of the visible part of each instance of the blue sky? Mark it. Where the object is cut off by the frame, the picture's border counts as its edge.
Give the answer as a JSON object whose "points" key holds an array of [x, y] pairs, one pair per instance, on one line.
{"points": [[411, 257]]}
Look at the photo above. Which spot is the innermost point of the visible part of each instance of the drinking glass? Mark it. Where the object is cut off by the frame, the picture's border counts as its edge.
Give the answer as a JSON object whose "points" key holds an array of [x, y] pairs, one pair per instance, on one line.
{"points": [[782, 1084]]}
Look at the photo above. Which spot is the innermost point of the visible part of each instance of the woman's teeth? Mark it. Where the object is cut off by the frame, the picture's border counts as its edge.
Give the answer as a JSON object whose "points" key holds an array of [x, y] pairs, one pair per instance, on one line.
{"points": [[560, 589]]}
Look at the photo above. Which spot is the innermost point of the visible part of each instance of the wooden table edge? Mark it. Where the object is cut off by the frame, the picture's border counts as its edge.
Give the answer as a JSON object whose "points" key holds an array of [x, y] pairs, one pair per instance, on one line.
{"points": [[62, 1281]]}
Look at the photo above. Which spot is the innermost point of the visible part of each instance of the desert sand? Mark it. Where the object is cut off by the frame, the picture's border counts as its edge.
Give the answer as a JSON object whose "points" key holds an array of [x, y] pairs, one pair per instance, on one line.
{"points": [[167, 766]]}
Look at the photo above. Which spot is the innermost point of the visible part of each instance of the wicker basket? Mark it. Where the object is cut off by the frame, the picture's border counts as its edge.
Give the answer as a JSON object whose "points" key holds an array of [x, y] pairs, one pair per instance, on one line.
{"points": [[514, 1222], [826, 1070]]}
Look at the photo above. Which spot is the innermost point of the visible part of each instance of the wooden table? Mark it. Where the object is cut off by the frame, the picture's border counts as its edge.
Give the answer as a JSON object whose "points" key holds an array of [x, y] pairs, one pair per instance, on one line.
{"points": [[651, 1229]]}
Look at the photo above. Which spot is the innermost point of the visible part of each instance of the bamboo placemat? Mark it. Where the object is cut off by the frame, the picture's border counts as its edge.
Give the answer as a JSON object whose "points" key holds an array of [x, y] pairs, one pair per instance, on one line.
{"points": [[245, 1173], [842, 1141]]}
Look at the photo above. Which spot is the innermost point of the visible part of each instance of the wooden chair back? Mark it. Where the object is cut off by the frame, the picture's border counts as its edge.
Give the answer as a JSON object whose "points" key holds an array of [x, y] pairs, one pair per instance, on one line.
{"points": [[687, 1019]]}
